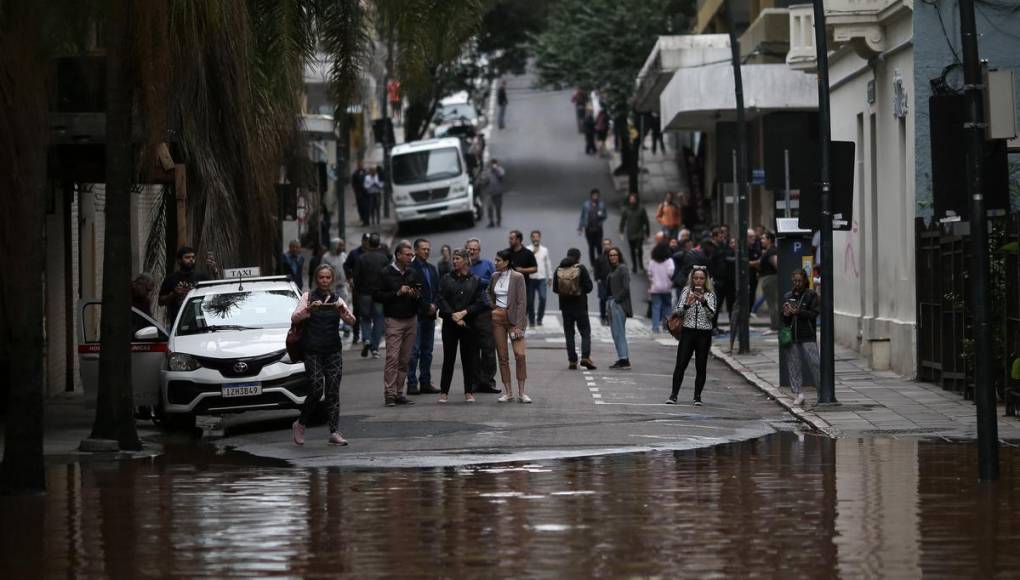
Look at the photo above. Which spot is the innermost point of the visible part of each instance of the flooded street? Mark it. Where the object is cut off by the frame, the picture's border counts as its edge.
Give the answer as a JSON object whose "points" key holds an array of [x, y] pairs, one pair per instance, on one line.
{"points": [[781, 505]]}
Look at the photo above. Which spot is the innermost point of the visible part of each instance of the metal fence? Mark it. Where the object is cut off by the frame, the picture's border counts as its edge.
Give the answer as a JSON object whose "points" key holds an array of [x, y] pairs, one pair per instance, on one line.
{"points": [[944, 319]]}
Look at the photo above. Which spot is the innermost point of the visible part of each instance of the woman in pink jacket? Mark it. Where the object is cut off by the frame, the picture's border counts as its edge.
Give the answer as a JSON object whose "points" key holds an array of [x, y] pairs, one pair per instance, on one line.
{"points": [[660, 277]]}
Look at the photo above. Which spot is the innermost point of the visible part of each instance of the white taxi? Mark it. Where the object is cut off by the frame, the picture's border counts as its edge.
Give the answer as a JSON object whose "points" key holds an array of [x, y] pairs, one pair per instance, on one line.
{"points": [[226, 350]]}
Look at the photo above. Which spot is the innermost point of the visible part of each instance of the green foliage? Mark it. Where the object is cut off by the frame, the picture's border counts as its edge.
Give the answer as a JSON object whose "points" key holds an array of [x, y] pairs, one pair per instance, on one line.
{"points": [[602, 44], [506, 30]]}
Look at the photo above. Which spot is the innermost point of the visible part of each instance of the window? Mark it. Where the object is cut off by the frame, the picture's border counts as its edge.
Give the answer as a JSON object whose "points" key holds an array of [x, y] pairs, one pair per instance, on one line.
{"points": [[424, 166], [237, 311]]}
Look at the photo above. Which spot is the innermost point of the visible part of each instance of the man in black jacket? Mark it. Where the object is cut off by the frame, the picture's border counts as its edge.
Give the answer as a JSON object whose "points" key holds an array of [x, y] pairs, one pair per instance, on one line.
{"points": [[601, 273], [366, 283], [461, 301], [419, 369], [400, 293], [573, 284]]}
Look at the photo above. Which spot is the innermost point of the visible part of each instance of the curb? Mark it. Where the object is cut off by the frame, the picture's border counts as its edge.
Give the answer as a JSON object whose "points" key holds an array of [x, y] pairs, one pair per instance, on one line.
{"points": [[809, 417]]}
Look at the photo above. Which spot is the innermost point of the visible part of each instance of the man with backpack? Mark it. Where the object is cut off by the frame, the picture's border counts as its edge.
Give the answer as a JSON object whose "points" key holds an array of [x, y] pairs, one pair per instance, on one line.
{"points": [[573, 284]]}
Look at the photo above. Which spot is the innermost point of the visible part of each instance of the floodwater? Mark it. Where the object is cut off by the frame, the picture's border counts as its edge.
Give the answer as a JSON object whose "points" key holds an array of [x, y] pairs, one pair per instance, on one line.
{"points": [[786, 505]]}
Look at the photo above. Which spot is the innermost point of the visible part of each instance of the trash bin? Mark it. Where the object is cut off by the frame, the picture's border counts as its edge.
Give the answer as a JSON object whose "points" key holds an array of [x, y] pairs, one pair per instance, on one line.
{"points": [[795, 251]]}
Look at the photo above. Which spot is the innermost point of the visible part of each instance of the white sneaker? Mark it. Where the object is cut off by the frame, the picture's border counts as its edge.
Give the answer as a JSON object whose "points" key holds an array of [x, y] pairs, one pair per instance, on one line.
{"points": [[505, 399], [525, 399], [799, 400]]}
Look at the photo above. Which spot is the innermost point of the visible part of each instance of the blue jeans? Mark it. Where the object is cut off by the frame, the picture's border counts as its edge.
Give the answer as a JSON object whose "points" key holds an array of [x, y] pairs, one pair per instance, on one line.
{"points": [[540, 287], [661, 307], [618, 326], [421, 354], [372, 323]]}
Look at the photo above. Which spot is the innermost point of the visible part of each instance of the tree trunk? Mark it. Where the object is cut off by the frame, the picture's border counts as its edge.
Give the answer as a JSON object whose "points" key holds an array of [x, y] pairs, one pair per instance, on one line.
{"points": [[115, 403], [22, 242]]}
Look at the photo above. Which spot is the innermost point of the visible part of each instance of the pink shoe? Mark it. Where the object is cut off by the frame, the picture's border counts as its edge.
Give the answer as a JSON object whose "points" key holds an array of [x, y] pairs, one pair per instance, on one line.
{"points": [[299, 433], [336, 439]]}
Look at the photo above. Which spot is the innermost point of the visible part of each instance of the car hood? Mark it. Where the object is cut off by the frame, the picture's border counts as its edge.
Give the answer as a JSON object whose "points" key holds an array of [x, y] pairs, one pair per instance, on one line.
{"points": [[231, 343]]}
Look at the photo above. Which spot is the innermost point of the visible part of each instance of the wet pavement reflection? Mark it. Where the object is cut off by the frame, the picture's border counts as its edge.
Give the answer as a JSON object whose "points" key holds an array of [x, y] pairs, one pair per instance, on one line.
{"points": [[782, 505]]}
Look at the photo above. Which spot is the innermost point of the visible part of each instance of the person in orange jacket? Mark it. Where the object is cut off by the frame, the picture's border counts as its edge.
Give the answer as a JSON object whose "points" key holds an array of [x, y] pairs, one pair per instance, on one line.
{"points": [[668, 216]]}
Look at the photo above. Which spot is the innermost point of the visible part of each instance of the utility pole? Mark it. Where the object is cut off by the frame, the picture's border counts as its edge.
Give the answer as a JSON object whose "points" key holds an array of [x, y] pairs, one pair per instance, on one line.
{"points": [[974, 127], [827, 388], [743, 275]]}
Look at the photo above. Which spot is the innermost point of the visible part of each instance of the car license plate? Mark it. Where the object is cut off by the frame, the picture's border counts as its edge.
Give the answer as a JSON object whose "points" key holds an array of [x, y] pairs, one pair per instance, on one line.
{"points": [[242, 390]]}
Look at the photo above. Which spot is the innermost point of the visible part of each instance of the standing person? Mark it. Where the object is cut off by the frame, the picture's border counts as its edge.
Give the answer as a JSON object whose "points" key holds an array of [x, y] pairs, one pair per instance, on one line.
{"points": [[753, 255], [419, 368], [800, 310], [393, 96], [635, 227], [400, 293], [360, 195], [580, 101], [522, 260], [485, 381], [539, 281], [660, 277], [141, 288], [593, 213], [601, 270], [374, 191], [573, 283], [349, 264], [292, 264], [618, 289], [722, 270], [317, 254], [320, 313], [336, 257], [588, 126], [509, 321], [697, 307], [656, 126], [668, 215], [445, 265], [602, 131], [177, 285], [502, 101], [494, 189], [367, 281], [461, 301], [767, 267]]}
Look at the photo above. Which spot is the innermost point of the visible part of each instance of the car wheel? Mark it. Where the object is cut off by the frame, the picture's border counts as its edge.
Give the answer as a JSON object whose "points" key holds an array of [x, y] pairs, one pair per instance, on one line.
{"points": [[173, 421]]}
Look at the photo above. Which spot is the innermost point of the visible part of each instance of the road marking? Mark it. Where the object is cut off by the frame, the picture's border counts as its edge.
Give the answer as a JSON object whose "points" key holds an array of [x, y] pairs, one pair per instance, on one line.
{"points": [[596, 395], [593, 389]]}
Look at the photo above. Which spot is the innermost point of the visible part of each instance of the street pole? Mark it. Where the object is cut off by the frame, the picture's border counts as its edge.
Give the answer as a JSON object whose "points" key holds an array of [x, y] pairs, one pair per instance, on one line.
{"points": [[827, 388], [342, 163], [786, 168], [743, 275], [974, 126]]}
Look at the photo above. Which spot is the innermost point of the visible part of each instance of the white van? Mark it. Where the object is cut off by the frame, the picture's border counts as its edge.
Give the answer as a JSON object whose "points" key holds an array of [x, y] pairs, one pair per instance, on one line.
{"points": [[431, 181]]}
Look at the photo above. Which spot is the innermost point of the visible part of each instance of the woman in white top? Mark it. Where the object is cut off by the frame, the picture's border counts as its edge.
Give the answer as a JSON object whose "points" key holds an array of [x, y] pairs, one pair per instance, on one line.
{"points": [[697, 307], [660, 283], [509, 319]]}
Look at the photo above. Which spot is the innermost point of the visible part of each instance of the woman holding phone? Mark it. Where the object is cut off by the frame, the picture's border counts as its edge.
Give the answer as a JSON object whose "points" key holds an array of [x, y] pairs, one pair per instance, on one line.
{"points": [[800, 310], [697, 307], [508, 297], [320, 312]]}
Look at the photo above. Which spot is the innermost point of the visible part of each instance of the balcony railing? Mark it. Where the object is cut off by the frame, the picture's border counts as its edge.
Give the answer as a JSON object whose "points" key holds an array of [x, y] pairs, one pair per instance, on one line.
{"points": [[767, 39]]}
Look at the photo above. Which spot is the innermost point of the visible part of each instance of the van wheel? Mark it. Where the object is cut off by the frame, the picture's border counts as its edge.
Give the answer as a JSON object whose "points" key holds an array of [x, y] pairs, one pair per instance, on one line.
{"points": [[470, 219]]}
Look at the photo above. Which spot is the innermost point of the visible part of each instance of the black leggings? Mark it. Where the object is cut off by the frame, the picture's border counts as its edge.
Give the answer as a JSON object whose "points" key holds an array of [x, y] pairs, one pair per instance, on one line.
{"points": [[692, 342], [454, 334]]}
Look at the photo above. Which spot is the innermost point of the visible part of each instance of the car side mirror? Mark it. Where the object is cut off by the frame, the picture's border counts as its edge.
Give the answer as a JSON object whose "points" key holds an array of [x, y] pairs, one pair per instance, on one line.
{"points": [[148, 333]]}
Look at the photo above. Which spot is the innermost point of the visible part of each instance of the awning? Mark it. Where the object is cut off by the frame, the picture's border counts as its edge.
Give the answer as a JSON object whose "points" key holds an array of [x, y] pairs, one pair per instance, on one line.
{"points": [[696, 98], [671, 53]]}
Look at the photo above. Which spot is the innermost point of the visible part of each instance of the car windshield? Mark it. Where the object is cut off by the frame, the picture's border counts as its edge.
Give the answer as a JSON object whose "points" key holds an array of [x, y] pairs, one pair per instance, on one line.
{"points": [[428, 165], [451, 113], [237, 311]]}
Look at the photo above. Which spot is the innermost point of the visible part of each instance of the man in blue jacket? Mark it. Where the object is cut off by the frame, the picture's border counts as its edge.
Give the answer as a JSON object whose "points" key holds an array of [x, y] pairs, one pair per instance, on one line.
{"points": [[419, 368]]}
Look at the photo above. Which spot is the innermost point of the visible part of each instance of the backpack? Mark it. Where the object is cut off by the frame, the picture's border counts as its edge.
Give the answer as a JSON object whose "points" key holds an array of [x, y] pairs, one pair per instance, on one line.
{"points": [[568, 280]]}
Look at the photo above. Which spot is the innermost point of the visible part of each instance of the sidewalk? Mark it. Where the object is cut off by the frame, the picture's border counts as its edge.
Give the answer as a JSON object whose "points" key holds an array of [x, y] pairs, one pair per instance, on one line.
{"points": [[874, 402]]}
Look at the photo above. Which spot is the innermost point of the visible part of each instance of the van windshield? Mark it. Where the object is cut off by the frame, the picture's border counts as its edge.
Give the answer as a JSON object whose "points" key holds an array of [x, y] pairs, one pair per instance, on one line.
{"points": [[428, 165]]}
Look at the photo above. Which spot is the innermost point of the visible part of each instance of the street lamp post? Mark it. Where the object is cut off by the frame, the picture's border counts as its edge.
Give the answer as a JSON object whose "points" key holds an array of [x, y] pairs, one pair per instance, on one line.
{"points": [[827, 386], [743, 274], [974, 128]]}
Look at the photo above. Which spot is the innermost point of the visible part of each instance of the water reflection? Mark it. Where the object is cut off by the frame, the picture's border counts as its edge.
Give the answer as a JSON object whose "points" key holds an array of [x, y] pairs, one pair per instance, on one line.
{"points": [[776, 506]]}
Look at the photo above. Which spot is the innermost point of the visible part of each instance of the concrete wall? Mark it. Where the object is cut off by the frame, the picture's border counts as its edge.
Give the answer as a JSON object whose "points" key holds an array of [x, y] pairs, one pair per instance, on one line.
{"points": [[998, 43], [873, 264]]}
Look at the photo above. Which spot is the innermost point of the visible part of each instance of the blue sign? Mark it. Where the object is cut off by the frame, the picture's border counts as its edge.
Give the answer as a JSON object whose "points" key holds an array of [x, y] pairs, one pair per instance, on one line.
{"points": [[758, 177]]}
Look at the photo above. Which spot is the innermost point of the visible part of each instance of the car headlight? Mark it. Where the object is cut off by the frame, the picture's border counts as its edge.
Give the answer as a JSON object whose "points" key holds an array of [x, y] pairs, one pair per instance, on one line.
{"points": [[458, 191], [183, 362]]}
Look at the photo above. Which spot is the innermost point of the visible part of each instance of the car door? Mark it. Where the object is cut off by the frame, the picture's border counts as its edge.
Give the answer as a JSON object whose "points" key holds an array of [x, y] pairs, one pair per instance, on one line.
{"points": [[148, 350]]}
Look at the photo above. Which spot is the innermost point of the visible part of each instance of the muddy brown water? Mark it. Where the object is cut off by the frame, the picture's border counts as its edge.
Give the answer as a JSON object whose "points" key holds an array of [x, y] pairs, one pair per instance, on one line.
{"points": [[785, 505]]}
